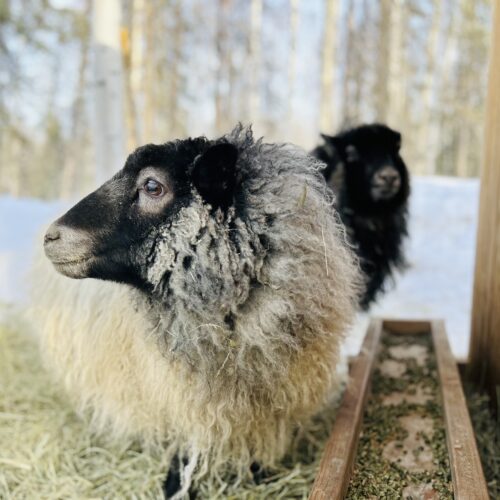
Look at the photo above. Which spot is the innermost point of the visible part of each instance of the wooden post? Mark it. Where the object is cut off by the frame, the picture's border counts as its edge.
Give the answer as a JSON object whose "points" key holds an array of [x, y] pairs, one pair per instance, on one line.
{"points": [[485, 339]]}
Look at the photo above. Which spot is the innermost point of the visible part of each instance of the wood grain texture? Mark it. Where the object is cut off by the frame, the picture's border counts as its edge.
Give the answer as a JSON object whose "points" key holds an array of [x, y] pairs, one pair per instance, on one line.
{"points": [[411, 327], [336, 464], [485, 339], [466, 470]]}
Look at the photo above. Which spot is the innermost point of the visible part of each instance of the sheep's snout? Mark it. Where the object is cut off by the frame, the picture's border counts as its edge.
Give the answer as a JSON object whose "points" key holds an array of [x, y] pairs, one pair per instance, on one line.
{"points": [[52, 234], [386, 183], [70, 250]]}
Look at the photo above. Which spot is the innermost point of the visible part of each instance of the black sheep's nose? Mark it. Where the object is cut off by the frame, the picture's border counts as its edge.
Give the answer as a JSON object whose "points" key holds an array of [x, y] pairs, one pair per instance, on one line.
{"points": [[52, 234], [390, 178]]}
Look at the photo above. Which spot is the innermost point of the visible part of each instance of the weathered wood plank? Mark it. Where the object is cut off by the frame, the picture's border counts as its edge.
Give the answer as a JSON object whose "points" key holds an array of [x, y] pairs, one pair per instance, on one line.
{"points": [[485, 340], [466, 470], [411, 327], [336, 465]]}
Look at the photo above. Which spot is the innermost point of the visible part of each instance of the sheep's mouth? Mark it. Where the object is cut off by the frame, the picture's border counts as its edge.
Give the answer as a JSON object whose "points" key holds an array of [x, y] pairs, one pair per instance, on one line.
{"points": [[74, 268], [72, 261], [384, 192]]}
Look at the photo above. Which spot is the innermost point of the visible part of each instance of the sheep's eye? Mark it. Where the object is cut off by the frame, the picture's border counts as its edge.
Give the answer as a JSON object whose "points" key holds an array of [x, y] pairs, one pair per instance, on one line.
{"points": [[351, 153], [153, 188]]}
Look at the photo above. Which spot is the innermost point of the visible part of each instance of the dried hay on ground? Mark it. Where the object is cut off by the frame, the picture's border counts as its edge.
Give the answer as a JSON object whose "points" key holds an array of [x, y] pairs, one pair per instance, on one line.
{"points": [[47, 451]]}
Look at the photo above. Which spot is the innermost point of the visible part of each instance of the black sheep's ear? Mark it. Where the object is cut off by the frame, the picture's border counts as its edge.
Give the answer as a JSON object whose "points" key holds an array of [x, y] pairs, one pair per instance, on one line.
{"points": [[397, 140], [333, 145], [214, 174], [393, 138]]}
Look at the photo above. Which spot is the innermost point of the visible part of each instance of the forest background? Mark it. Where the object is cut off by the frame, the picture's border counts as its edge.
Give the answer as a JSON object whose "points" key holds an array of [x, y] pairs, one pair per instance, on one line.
{"points": [[82, 83]]}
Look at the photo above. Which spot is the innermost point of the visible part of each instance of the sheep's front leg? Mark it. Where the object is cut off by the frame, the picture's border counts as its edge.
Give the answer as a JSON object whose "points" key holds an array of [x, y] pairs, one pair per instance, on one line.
{"points": [[172, 483], [259, 474]]}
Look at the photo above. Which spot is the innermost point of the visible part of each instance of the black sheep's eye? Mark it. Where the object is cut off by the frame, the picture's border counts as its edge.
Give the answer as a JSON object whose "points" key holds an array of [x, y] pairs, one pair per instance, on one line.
{"points": [[153, 188]]}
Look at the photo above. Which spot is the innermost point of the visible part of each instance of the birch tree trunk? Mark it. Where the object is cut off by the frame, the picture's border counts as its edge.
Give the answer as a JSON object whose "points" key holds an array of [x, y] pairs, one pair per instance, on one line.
{"points": [[395, 76], [148, 72], [176, 123], [78, 119], [222, 80], [389, 82], [108, 128], [444, 75], [381, 89], [135, 77], [255, 49], [462, 168], [349, 60], [361, 67], [328, 119], [292, 65], [430, 130], [132, 125]]}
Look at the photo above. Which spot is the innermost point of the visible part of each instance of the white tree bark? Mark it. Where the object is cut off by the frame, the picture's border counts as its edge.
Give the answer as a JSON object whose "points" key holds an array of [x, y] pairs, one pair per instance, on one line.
{"points": [[79, 121], [108, 92], [292, 65], [222, 81], [430, 129], [328, 116], [136, 88], [255, 47], [395, 82], [148, 74]]}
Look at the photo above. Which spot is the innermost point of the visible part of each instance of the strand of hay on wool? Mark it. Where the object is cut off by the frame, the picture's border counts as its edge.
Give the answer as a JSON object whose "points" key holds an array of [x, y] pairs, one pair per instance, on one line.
{"points": [[48, 452]]}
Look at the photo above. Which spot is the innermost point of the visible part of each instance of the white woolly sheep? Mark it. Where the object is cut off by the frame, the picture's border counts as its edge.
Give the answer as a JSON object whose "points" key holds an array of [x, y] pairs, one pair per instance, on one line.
{"points": [[229, 287]]}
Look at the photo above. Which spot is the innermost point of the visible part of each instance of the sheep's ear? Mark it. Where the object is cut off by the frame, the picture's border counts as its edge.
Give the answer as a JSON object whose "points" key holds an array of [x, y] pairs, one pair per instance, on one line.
{"points": [[332, 145], [214, 174], [397, 140]]}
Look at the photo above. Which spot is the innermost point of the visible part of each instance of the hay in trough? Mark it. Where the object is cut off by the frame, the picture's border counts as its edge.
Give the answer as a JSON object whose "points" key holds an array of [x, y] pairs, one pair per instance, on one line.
{"points": [[47, 451], [402, 451]]}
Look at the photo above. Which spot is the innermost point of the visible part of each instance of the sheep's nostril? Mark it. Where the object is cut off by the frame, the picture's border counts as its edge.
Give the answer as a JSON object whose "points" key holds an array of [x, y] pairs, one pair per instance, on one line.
{"points": [[52, 234], [390, 179]]}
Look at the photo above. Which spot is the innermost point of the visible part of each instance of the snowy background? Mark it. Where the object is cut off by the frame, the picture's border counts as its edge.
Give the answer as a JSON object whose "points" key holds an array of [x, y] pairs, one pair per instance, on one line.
{"points": [[440, 251]]}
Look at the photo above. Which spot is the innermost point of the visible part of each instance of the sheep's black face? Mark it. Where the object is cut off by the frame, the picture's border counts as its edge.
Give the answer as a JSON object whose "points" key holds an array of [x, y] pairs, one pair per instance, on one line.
{"points": [[376, 175], [103, 235]]}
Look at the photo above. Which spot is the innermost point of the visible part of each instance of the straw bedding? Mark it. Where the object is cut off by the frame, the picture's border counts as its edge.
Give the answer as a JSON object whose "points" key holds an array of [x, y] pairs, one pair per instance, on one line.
{"points": [[48, 452]]}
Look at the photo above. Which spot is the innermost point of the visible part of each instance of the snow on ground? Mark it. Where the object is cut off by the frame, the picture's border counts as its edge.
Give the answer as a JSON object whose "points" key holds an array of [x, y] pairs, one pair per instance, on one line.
{"points": [[440, 251], [438, 284], [21, 223]]}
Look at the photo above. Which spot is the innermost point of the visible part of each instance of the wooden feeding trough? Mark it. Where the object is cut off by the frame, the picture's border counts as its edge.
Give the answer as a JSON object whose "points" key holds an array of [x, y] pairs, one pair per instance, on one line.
{"points": [[403, 428]]}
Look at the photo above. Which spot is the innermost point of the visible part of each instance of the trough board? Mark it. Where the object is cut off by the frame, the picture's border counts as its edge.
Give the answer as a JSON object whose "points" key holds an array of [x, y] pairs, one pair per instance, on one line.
{"points": [[336, 468]]}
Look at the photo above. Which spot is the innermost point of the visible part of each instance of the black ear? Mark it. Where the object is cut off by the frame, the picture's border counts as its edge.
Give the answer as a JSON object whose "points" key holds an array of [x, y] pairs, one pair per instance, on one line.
{"points": [[397, 140], [333, 145], [214, 174], [393, 138]]}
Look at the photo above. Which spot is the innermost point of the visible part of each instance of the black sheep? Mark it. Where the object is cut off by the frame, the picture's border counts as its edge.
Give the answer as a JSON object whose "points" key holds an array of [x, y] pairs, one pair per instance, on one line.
{"points": [[371, 182]]}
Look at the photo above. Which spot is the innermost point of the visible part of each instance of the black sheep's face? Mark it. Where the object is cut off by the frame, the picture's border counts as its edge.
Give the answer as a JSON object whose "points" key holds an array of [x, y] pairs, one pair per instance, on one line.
{"points": [[101, 236], [383, 175], [375, 172]]}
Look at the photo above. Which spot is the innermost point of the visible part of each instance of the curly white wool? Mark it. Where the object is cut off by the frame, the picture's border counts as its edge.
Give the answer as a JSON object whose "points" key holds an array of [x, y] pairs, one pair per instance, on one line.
{"points": [[224, 396]]}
